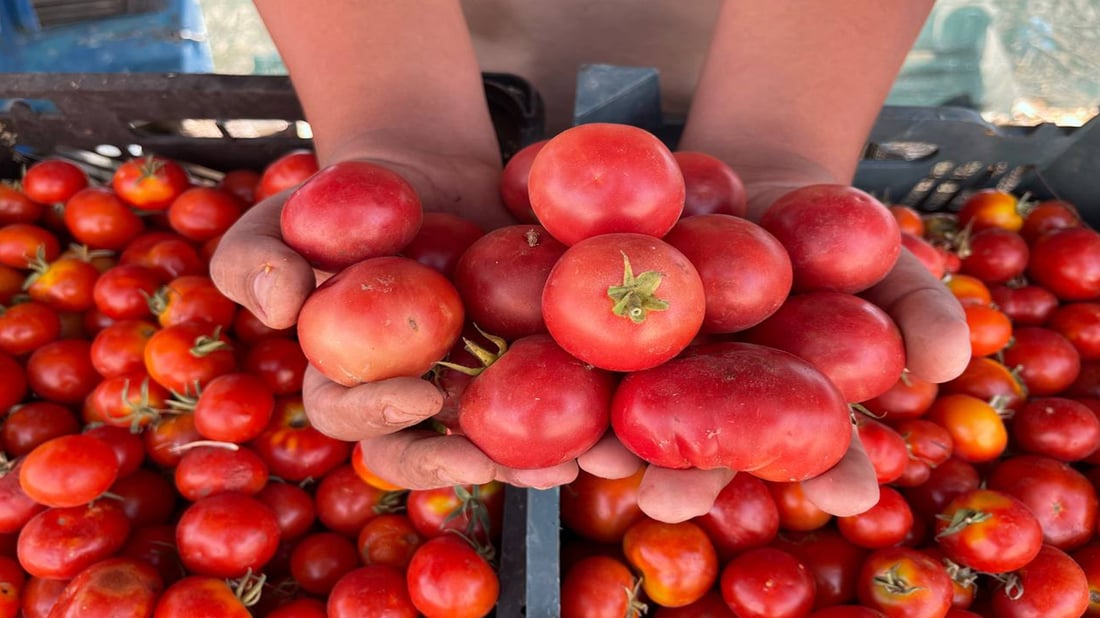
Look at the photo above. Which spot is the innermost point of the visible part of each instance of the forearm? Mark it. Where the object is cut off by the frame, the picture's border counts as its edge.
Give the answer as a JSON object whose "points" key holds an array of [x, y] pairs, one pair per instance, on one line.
{"points": [[375, 76], [792, 88]]}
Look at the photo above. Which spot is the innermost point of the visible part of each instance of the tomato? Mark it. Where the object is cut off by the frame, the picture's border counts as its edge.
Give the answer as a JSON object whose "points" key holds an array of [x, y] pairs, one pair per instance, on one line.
{"points": [[200, 595], [851, 341], [839, 238], [105, 588], [969, 290], [344, 502], [66, 284], [20, 243], [302, 607], [932, 257], [988, 531], [501, 276], [1050, 585], [292, 448], [1061, 428], [278, 362], [854, 611], [990, 329], [516, 412], [1067, 262], [710, 605], [320, 559], [623, 302], [677, 562], [767, 583], [16, 207], [119, 349], [209, 470], [201, 213], [449, 578], [833, 560], [744, 516], [165, 439], [389, 539], [1047, 361], [796, 512], [977, 431], [903, 582], [156, 545], [169, 254], [234, 407], [226, 535], [985, 378], [373, 590], [96, 217], [600, 586], [185, 357], [40, 594], [410, 314], [909, 219], [945, 481], [367, 475], [68, 470], [475, 510], [1048, 216], [242, 184], [1080, 324], [128, 447], [150, 183], [441, 241], [35, 422], [16, 508], [885, 447], [746, 273], [711, 186], [1061, 498], [513, 182], [883, 525], [293, 508], [1027, 305], [148, 498], [12, 580], [720, 407], [995, 255], [123, 291], [604, 178], [248, 329], [991, 208], [53, 180], [601, 509], [11, 283], [192, 298], [1088, 558], [59, 543], [286, 172]]}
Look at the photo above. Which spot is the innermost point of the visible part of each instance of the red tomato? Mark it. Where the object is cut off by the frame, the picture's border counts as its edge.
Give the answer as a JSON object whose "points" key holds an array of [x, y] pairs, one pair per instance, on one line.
{"points": [[293, 508], [12, 580], [320, 559], [192, 298], [1048, 216], [210, 470], [373, 590], [1080, 324], [164, 440], [1067, 262], [744, 516], [227, 535], [711, 186], [410, 313], [623, 302], [746, 273], [11, 282], [839, 238], [285, 172], [604, 178], [349, 212], [720, 407], [1088, 558], [855, 611], [278, 362], [113, 588], [601, 509], [52, 181], [832, 559], [40, 595], [988, 531], [185, 357], [200, 595], [945, 481], [69, 470], [169, 254], [234, 407], [985, 378], [150, 183], [441, 241], [16, 207], [1060, 497], [344, 502], [600, 586], [127, 445], [909, 219], [242, 184], [513, 182], [1047, 362], [59, 543], [710, 605], [119, 349], [516, 412], [677, 562], [475, 510], [1057, 427], [796, 512], [21, 243], [449, 578], [96, 217], [293, 449], [33, 423], [932, 257], [201, 213], [16, 508], [148, 498], [1027, 305], [767, 583], [903, 582], [883, 525], [885, 447], [123, 291], [389, 539], [66, 284], [1050, 585], [302, 607], [995, 255], [248, 329]]}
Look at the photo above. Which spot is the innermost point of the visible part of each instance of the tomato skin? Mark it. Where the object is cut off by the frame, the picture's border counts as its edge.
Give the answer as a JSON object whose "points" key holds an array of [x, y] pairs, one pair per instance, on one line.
{"points": [[96, 217], [601, 509], [285, 172], [53, 180], [978, 433], [1006, 539], [69, 470], [513, 182], [372, 590], [598, 586], [448, 578], [746, 272], [996, 256], [833, 560], [200, 595], [744, 516], [185, 357], [210, 470], [59, 543], [991, 208], [292, 448], [677, 562], [21, 242], [349, 212], [441, 241], [234, 407], [1067, 262], [226, 535], [202, 213], [150, 183], [883, 525], [1057, 427], [1080, 324], [517, 414], [710, 186], [605, 178], [410, 314], [1061, 498], [389, 539], [905, 583], [767, 583], [839, 238], [1048, 361], [1053, 585], [732, 395], [113, 588]]}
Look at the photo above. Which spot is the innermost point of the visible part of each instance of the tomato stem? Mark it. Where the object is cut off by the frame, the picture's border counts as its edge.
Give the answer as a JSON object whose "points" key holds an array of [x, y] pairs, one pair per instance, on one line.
{"points": [[894, 583], [532, 237], [961, 519], [637, 295], [248, 588], [485, 357]]}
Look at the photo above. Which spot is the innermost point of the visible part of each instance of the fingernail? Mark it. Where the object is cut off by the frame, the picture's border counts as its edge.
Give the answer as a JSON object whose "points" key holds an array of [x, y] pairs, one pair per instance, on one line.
{"points": [[261, 291], [398, 417]]}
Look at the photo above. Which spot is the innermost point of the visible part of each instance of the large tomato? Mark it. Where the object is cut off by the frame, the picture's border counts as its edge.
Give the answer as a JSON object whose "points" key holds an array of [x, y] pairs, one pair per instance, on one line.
{"points": [[989, 531], [602, 178], [677, 562], [1067, 262], [767, 583], [1060, 497], [105, 588], [1050, 585], [623, 302], [447, 577], [734, 405], [381, 318], [903, 582]]}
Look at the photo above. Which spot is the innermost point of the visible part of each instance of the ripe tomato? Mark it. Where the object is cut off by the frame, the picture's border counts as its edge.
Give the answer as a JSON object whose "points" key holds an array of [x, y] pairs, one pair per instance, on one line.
{"points": [[389, 539], [12, 580], [501, 276], [833, 560], [602, 509], [227, 535], [59, 543], [122, 292], [746, 273], [516, 412], [600, 586], [1026, 305], [990, 329], [201, 213], [720, 407], [1048, 216], [372, 590], [66, 284], [885, 447], [909, 219], [604, 178], [69, 470], [475, 510], [441, 241], [991, 208], [192, 298], [127, 446], [242, 184], [21, 243], [1088, 558], [945, 481], [1060, 497], [1080, 324], [995, 255], [988, 531], [53, 180], [248, 329], [210, 470], [744, 516], [293, 508], [150, 183], [623, 302], [40, 595], [169, 254], [513, 182], [711, 186], [11, 283], [292, 448], [1047, 362], [278, 362], [285, 172], [185, 357], [677, 562], [1057, 427], [33, 423], [1050, 585], [410, 314], [985, 378], [148, 498], [16, 508], [969, 289], [119, 349], [344, 502], [1067, 262], [96, 217], [767, 583], [16, 207], [796, 512], [903, 582], [909, 397], [320, 559], [932, 257], [105, 588], [977, 431], [839, 238], [449, 578], [200, 595], [234, 407], [883, 525]]}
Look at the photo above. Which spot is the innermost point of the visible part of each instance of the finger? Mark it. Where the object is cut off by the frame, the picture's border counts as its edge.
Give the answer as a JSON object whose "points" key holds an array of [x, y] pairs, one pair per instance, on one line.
{"points": [[542, 478], [848, 488], [931, 320], [673, 496], [609, 459], [253, 267], [419, 459], [367, 410]]}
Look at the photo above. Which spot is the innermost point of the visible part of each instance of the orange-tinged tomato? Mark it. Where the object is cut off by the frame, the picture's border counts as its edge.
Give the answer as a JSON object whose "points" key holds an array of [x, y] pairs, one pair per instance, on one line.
{"points": [[986, 378], [677, 562], [969, 289], [368, 475], [991, 208], [975, 426], [990, 329], [909, 220], [796, 512]]}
